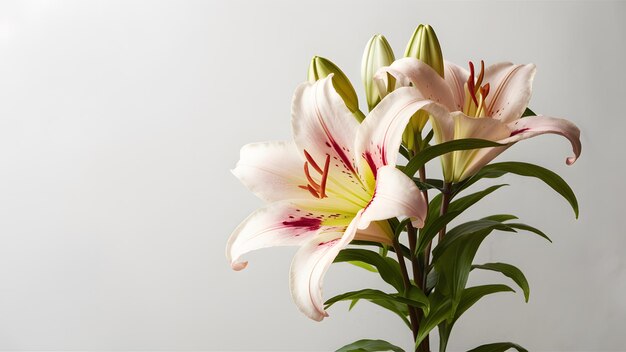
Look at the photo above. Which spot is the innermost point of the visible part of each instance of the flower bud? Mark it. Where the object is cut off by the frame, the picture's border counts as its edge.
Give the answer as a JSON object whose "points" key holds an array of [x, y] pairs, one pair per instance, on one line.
{"points": [[377, 54], [424, 46], [321, 68]]}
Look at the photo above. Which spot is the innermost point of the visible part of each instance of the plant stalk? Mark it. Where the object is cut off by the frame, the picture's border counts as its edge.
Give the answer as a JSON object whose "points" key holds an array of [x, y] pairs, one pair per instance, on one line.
{"points": [[419, 271], [447, 197], [407, 285]]}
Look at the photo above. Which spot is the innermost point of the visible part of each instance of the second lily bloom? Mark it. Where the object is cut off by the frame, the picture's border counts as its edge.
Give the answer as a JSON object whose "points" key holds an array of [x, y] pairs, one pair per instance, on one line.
{"points": [[488, 105]]}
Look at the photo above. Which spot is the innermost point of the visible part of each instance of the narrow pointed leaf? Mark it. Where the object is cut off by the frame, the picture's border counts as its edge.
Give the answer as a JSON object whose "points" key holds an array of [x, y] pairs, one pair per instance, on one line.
{"points": [[471, 295], [438, 314], [509, 271], [550, 178], [415, 300], [529, 228], [370, 346], [388, 268], [498, 347], [421, 158]]}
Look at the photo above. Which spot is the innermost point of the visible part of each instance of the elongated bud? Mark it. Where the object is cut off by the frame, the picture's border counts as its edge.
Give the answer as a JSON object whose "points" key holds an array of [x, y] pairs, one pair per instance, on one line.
{"points": [[424, 46], [377, 54], [321, 68]]}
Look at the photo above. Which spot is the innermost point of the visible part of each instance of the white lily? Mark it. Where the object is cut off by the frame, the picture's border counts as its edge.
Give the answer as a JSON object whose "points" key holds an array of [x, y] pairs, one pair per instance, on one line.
{"points": [[334, 183], [489, 106]]}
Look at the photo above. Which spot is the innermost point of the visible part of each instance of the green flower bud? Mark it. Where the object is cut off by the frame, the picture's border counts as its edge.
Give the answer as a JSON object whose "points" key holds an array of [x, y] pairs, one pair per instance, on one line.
{"points": [[321, 68], [378, 53], [424, 46]]}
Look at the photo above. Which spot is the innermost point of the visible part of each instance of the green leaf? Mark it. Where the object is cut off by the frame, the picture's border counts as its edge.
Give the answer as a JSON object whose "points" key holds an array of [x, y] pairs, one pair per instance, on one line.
{"points": [[405, 251], [388, 268], [430, 230], [434, 224], [440, 310], [453, 257], [396, 303], [429, 184], [469, 200], [471, 295], [429, 153], [370, 346], [529, 228], [509, 271], [498, 347], [362, 265], [413, 300], [400, 227], [501, 217], [550, 178], [467, 230]]}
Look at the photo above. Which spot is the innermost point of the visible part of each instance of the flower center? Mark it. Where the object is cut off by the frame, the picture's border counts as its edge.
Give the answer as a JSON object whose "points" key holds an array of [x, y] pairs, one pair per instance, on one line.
{"points": [[318, 190], [475, 94]]}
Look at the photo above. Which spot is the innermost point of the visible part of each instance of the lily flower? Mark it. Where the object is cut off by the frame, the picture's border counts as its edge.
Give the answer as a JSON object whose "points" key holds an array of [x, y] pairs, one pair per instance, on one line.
{"points": [[334, 183], [487, 106]]}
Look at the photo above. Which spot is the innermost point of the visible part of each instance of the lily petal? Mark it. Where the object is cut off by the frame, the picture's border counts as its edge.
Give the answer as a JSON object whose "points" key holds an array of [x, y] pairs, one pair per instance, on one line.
{"points": [[532, 126], [310, 265], [272, 171], [511, 88], [456, 76], [380, 134], [396, 195], [413, 72], [277, 224]]}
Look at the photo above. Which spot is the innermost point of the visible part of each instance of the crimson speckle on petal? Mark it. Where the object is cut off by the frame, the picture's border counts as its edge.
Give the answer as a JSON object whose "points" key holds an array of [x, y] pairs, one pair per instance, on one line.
{"points": [[310, 224]]}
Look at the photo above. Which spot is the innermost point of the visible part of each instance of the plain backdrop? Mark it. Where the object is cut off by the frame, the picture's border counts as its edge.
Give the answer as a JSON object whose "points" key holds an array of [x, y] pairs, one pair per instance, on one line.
{"points": [[119, 122]]}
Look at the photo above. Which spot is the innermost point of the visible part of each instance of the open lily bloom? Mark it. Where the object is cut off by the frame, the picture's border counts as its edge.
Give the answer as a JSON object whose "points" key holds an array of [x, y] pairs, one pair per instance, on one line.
{"points": [[487, 106], [334, 183]]}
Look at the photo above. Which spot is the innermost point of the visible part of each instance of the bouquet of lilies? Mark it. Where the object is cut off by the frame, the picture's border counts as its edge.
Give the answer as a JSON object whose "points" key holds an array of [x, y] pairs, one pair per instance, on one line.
{"points": [[353, 187]]}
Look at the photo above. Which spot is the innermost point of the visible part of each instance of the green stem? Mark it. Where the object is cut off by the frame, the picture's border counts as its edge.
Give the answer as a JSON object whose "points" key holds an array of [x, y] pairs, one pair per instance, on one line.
{"points": [[419, 271], [407, 286], [447, 197]]}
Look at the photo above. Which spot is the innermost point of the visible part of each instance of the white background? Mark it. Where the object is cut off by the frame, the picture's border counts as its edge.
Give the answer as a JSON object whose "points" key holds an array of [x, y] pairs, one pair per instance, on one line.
{"points": [[119, 122]]}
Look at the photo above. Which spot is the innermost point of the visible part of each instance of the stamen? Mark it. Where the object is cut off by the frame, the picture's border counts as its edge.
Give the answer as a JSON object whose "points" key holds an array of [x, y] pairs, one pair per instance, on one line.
{"points": [[479, 81], [312, 162], [313, 192], [470, 84], [309, 178], [317, 190], [484, 90], [325, 177]]}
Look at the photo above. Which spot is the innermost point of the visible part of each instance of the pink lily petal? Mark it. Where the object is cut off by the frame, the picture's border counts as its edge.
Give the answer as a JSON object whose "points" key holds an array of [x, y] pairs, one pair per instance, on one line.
{"points": [[511, 88], [396, 196], [310, 265], [277, 224], [272, 171], [525, 128], [455, 77], [380, 134], [532, 126], [413, 72], [323, 126]]}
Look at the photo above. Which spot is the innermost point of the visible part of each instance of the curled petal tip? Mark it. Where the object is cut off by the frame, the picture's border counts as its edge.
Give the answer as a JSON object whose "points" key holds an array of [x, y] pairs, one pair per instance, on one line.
{"points": [[238, 266], [571, 160], [417, 223]]}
